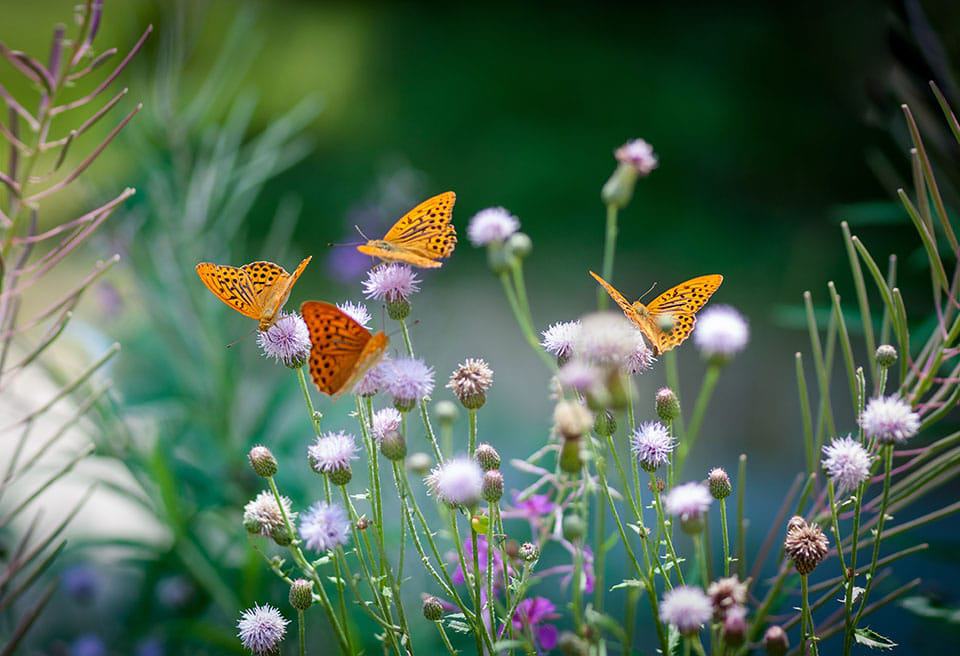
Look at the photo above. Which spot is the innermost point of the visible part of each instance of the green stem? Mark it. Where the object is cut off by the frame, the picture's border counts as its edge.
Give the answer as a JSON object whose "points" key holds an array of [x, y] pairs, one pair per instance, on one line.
{"points": [[301, 632], [609, 252], [315, 416], [741, 520], [526, 329], [424, 415], [726, 537]]}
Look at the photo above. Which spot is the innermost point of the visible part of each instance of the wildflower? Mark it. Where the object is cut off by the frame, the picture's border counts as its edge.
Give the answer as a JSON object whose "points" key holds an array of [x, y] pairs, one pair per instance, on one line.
{"points": [[492, 486], [408, 381], [571, 419], [331, 455], [432, 609], [470, 382], [687, 608], [638, 154], [384, 421], [721, 333], [726, 594], [456, 482], [847, 463], [264, 517], [487, 457], [805, 545], [652, 445], [606, 339], [286, 341], [635, 160], [393, 283], [356, 311], [735, 626], [529, 552], [262, 629], [262, 461], [532, 615], [719, 483], [374, 380], [492, 225], [580, 376], [484, 552], [88, 645], [775, 641], [886, 355], [640, 360], [446, 411], [324, 526], [688, 502], [558, 339], [81, 582], [889, 420], [667, 404], [301, 594]]}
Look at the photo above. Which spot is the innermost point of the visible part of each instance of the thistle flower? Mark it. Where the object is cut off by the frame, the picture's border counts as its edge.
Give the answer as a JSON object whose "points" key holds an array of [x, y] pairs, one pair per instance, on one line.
{"points": [[263, 516], [456, 482], [687, 608], [580, 376], [726, 594], [356, 311], [262, 629], [531, 616], [635, 160], [889, 420], [529, 552], [558, 339], [688, 502], [805, 545], [652, 445], [385, 421], [470, 382], [719, 483], [721, 333], [331, 455], [324, 526], [847, 463], [374, 380], [286, 341], [492, 225], [637, 154], [886, 355], [391, 283], [640, 360], [606, 339], [667, 404], [408, 380], [735, 626]]}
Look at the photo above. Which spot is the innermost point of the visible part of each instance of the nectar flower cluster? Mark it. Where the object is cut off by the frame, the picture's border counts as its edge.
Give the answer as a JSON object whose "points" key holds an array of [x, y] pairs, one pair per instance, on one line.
{"points": [[889, 420], [638, 154], [721, 332], [492, 225], [391, 282], [688, 502], [558, 339], [687, 608], [385, 421], [262, 515], [652, 445], [606, 339], [324, 526], [332, 452], [286, 341], [356, 311], [847, 463], [408, 380], [456, 482], [261, 629]]}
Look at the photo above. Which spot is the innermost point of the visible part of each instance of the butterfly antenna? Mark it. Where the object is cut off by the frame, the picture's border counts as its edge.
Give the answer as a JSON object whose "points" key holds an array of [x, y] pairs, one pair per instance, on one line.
{"points": [[361, 232], [239, 339], [652, 287]]}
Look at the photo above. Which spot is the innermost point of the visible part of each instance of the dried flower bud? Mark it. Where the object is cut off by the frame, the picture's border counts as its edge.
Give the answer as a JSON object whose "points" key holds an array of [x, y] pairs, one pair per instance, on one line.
{"points": [[393, 446], [657, 485], [262, 461], [605, 424], [529, 552], [668, 406], [886, 356], [574, 528], [362, 523], [775, 641], [445, 411], [492, 486], [520, 245], [571, 419], [571, 461], [719, 483], [433, 609], [487, 456], [806, 546], [301, 594], [419, 463], [470, 383]]}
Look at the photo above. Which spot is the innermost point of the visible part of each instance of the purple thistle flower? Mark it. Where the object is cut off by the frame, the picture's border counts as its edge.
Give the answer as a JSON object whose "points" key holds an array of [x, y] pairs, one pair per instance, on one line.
{"points": [[262, 629], [638, 154], [640, 360], [847, 463], [408, 380], [721, 332], [580, 376], [606, 339], [324, 526], [687, 608], [356, 311], [558, 339], [492, 225], [532, 614], [456, 482], [384, 421], [332, 452], [391, 282], [263, 516], [652, 445], [688, 502], [889, 420], [286, 341], [374, 380]]}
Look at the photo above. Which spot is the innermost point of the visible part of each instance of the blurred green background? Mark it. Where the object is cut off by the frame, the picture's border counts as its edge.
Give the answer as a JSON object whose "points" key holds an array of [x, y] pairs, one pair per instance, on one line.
{"points": [[772, 122]]}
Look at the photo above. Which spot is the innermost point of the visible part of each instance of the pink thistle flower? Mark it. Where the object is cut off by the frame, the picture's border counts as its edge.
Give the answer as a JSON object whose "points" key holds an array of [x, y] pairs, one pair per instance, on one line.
{"points": [[261, 629], [332, 452], [492, 225], [533, 614], [558, 339], [847, 463], [408, 380], [687, 608], [889, 420], [456, 482], [721, 333], [324, 526], [286, 341], [652, 445], [638, 154], [356, 311], [385, 421], [391, 282]]}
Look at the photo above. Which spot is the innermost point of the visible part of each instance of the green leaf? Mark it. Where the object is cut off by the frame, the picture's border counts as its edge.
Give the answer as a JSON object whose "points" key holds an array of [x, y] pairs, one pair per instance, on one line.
{"points": [[628, 583], [870, 638]]}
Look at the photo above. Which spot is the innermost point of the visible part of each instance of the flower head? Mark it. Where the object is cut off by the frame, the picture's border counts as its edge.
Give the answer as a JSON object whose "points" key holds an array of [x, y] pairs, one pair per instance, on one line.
{"points": [[688, 502], [356, 311], [470, 382], [391, 282], [606, 339], [640, 360], [331, 455], [483, 553], [889, 420], [81, 582], [652, 445], [580, 376], [558, 339], [721, 333], [374, 380], [532, 614], [88, 644], [726, 594], [687, 608], [719, 483], [456, 482], [324, 526], [408, 380], [847, 463], [286, 341], [262, 629], [385, 421], [263, 516], [805, 545], [492, 225], [638, 154]]}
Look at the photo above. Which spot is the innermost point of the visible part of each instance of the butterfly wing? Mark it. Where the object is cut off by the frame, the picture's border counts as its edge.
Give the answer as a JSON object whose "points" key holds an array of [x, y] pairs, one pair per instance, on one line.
{"points": [[643, 323], [233, 286], [342, 350], [682, 303], [422, 237]]}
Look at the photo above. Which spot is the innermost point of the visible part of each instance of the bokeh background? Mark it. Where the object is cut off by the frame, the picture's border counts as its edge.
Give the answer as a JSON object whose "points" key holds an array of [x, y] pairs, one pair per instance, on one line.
{"points": [[271, 129]]}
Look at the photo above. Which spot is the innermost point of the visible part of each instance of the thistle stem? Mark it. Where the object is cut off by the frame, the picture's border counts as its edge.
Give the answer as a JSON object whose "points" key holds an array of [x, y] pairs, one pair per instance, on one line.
{"points": [[609, 253]]}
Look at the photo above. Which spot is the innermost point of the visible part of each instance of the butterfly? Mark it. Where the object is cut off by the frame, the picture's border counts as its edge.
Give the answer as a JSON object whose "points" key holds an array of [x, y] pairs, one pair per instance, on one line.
{"points": [[342, 350], [257, 290], [422, 237], [680, 303]]}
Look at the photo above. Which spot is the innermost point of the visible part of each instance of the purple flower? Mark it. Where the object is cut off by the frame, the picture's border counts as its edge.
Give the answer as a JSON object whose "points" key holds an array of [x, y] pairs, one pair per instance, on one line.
{"points": [[324, 526], [580, 376], [532, 614], [88, 645], [262, 629], [847, 463], [81, 582], [638, 154], [640, 360], [356, 311], [456, 482], [686, 608], [391, 282], [721, 332], [889, 420], [652, 445], [606, 339], [483, 552], [384, 421], [332, 452], [408, 380], [558, 339], [492, 225], [374, 380], [535, 506], [688, 502], [263, 516], [286, 341]]}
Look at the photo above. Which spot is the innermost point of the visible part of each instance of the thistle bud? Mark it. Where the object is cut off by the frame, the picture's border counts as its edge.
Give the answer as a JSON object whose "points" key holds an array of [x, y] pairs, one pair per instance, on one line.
{"points": [[393, 446], [492, 486], [719, 483], [499, 258], [668, 406], [433, 609], [281, 536], [301, 594], [618, 190], [605, 424], [775, 641], [735, 626], [419, 463], [574, 527], [529, 552], [487, 456], [520, 245], [886, 356], [398, 309], [445, 411], [262, 461]]}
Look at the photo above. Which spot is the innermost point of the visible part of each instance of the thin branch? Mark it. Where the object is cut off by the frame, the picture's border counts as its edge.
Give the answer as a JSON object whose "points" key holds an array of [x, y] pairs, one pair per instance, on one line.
{"points": [[19, 109], [89, 216], [98, 61], [86, 125]]}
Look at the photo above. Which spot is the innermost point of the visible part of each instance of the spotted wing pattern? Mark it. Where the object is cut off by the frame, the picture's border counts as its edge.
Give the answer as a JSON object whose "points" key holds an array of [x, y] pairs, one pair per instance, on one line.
{"points": [[645, 325], [342, 350], [422, 237], [233, 286], [682, 303]]}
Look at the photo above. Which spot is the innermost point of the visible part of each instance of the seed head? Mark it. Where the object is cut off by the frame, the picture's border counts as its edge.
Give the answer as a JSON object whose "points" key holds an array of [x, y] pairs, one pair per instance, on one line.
{"points": [[470, 383], [806, 545]]}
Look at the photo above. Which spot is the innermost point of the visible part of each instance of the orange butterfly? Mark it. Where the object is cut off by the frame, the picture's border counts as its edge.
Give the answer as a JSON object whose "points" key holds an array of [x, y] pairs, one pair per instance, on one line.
{"points": [[680, 303], [422, 237], [257, 290], [342, 350]]}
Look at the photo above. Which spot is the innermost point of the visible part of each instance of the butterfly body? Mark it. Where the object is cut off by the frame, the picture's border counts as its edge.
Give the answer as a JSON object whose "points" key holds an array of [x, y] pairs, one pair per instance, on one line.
{"points": [[677, 307], [422, 237], [257, 290], [342, 350]]}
